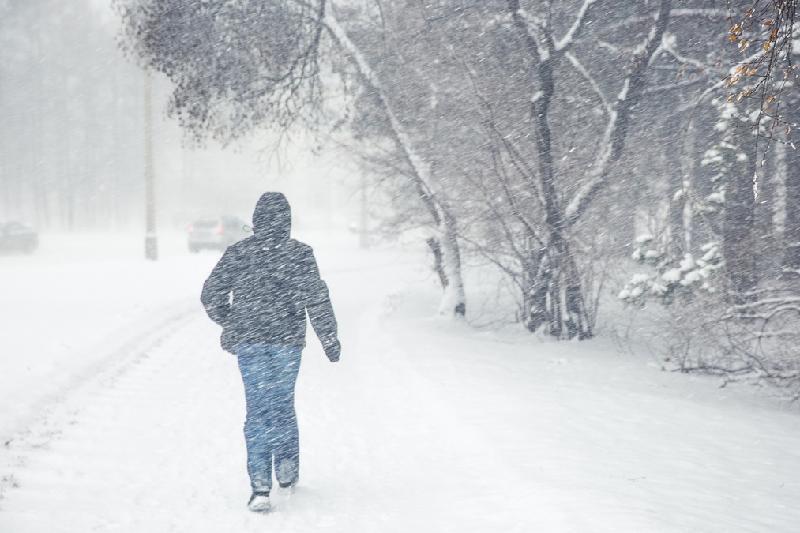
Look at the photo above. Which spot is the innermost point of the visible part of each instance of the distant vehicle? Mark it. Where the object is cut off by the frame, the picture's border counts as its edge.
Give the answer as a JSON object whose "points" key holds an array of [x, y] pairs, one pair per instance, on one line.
{"points": [[216, 233], [17, 237]]}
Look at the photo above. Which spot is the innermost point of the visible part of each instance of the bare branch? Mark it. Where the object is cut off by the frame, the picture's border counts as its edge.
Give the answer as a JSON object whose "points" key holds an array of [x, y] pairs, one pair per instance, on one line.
{"points": [[574, 31], [613, 138], [668, 45], [585, 73]]}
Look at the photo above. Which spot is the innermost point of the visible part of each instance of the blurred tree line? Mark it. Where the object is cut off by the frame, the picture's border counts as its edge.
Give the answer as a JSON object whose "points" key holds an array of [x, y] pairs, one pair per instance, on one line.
{"points": [[71, 142]]}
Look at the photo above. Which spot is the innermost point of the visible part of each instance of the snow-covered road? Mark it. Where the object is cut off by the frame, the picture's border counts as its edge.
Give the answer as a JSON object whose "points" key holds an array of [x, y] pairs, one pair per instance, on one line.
{"points": [[425, 425]]}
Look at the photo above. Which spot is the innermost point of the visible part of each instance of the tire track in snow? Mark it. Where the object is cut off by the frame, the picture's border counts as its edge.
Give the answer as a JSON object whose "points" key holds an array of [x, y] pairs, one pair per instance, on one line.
{"points": [[63, 407], [154, 447]]}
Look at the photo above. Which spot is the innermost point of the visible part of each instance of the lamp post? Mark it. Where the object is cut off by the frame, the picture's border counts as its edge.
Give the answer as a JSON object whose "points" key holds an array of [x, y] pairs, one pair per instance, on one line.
{"points": [[150, 239], [363, 223]]}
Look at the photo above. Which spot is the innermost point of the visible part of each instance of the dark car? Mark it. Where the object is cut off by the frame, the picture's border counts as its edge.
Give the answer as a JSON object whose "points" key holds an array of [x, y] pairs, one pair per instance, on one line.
{"points": [[216, 233], [17, 237]]}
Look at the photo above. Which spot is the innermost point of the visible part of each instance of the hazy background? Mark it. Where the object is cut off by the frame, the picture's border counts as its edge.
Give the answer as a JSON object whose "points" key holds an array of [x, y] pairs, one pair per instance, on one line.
{"points": [[72, 142]]}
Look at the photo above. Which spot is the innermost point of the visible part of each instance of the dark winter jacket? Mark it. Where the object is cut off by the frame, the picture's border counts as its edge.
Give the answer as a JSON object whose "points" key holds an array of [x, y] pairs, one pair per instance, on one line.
{"points": [[261, 288]]}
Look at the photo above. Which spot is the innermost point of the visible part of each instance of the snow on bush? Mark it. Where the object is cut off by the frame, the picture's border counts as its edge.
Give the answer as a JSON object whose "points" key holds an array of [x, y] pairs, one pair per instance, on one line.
{"points": [[671, 278]]}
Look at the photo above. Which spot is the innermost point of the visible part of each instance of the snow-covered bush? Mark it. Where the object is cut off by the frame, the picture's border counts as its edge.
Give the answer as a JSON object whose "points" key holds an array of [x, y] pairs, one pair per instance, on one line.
{"points": [[672, 278], [699, 330]]}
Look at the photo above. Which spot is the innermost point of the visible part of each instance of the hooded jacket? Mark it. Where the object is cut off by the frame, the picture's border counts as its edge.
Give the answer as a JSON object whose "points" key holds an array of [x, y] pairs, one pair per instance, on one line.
{"points": [[263, 286]]}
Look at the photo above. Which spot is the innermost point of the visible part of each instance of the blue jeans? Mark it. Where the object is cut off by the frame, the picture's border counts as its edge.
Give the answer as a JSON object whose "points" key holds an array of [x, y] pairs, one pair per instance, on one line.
{"points": [[269, 373]]}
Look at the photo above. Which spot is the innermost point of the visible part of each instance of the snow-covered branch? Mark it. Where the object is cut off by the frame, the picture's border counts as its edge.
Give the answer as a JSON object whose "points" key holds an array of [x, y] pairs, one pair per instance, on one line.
{"points": [[613, 48], [655, 89], [669, 46], [713, 13], [572, 33], [533, 28], [709, 13], [592, 82], [721, 83], [612, 141]]}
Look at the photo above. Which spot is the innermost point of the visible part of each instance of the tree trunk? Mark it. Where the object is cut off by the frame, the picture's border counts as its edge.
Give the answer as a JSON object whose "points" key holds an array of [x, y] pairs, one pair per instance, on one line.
{"points": [[438, 264], [577, 322], [701, 229], [791, 165], [677, 194], [791, 225], [738, 226], [453, 299], [537, 281], [557, 250], [768, 255]]}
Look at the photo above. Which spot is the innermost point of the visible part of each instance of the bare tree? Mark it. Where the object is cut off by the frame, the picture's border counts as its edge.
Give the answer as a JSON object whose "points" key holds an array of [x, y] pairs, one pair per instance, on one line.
{"points": [[548, 52]]}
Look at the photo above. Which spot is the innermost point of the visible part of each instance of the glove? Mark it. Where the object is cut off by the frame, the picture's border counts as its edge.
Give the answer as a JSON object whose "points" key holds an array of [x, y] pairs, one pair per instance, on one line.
{"points": [[333, 350]]}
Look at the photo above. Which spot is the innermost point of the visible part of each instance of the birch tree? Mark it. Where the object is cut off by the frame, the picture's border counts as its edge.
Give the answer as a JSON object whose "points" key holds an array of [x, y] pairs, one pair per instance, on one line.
{"points": [[454, 299]]}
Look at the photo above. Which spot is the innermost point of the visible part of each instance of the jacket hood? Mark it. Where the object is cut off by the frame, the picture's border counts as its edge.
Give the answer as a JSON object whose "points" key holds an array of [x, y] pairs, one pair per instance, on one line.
{"points": [[272, 218]]}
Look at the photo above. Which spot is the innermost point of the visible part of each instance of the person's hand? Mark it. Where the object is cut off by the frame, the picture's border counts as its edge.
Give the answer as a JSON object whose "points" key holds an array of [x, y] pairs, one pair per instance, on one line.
{"points": [[333, 350]]}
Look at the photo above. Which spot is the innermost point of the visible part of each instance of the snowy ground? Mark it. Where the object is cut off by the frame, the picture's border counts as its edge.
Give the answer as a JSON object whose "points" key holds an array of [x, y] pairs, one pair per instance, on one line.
{"points": [[119, 413]]}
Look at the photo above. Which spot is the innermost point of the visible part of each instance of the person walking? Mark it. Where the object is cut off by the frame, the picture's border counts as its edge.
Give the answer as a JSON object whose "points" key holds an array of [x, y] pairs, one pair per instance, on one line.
{"points": [[260, 292]]}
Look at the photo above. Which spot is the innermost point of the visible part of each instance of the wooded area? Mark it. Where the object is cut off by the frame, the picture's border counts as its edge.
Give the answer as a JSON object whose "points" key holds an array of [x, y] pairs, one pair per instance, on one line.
{"points": [[561, 142]]}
